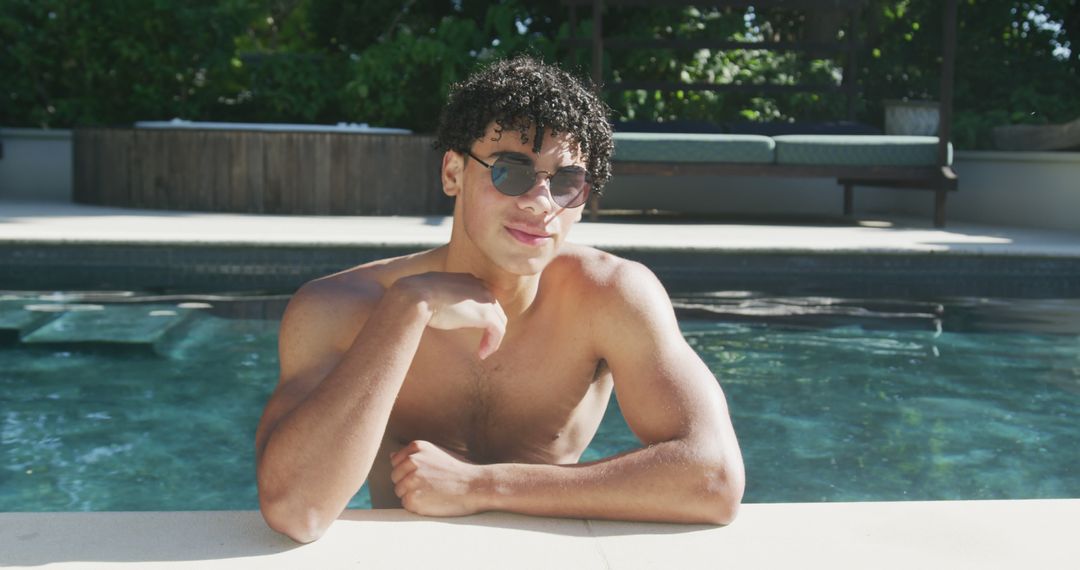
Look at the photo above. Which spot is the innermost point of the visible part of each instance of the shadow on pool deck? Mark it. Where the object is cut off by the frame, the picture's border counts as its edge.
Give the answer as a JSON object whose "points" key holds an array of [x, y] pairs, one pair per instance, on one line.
{"points": [[945, 534]]}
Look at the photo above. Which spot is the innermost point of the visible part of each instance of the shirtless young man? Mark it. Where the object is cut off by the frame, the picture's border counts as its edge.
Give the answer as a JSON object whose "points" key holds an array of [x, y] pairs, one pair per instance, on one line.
{"points": [[471, 377]]}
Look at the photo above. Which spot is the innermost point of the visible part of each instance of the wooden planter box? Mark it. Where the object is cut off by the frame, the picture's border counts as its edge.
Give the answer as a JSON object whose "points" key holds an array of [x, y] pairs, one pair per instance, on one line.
{"points": [[259, 172]]}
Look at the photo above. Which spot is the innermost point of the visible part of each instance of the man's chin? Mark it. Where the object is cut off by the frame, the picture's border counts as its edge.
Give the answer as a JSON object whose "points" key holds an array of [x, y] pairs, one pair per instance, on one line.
{"points": [[527, 266]]}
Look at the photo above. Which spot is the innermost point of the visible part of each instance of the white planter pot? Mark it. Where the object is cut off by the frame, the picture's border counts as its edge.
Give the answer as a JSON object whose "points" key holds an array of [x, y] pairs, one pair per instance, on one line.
{"points": [[916, 118]]}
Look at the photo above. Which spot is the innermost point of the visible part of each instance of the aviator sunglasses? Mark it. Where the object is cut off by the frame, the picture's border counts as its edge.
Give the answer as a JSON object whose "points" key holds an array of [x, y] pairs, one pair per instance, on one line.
{"points": [[515, 176]]}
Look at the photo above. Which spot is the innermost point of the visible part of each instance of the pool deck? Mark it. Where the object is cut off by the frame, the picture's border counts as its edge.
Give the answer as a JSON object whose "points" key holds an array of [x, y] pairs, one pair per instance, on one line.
{"points": [[945, 534], [977, 534], [27, 223]]}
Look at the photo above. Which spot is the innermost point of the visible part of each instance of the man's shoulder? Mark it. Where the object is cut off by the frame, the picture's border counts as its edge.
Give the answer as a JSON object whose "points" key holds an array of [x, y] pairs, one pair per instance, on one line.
{"points": [[351, 293], [351, 286], [600, 273]]}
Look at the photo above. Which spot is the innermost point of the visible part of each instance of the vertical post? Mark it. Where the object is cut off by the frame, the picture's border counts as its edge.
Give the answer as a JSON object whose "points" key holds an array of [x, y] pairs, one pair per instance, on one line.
{"points": [[939, 207], [948, 66], [851, 83], [573, 21], [597, 77], [597, 43], [849, 199]]}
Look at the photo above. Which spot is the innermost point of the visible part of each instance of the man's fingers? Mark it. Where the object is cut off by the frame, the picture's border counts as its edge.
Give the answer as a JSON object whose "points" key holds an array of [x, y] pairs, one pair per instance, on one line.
{"points": [[491, 340], [405, 486], [401, 470], [493, 333]]}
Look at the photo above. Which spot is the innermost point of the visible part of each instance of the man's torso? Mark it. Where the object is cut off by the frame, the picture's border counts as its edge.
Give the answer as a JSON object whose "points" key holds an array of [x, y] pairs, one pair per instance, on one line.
{"points": [[538, 399]]}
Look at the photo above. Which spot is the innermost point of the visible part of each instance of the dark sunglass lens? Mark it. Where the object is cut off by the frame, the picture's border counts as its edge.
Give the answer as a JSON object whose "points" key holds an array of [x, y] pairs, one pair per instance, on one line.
{"points": [[567, 188], [499, 174], [511, 178]]}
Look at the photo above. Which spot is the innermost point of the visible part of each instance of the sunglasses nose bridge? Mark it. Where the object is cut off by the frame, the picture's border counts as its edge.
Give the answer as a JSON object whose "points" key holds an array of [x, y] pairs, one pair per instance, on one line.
{"points": [[546, 176], [539, 177]]}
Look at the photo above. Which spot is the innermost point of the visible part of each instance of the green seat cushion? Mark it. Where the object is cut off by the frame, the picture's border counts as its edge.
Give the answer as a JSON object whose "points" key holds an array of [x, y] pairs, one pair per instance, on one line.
{"points": [[858, 150], [690, 147]]}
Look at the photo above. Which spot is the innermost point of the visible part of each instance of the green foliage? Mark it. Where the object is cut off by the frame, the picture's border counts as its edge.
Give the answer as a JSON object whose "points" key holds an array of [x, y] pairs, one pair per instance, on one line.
{"points": [[733, 66], [74, 62], [1006, 71], [71, 62], [404, 80]]}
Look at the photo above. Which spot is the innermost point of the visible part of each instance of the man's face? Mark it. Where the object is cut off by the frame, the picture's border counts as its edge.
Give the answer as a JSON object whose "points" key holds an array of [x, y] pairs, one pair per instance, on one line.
{"points": [[519, 234]]}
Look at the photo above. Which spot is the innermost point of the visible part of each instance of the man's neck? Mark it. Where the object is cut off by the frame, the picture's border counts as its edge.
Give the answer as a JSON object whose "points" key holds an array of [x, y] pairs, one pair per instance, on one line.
{"points": [[515, 293]]}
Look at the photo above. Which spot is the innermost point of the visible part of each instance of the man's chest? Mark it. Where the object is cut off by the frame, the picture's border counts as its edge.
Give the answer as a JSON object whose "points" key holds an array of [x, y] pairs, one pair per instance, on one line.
{"points": [[536, 399]]}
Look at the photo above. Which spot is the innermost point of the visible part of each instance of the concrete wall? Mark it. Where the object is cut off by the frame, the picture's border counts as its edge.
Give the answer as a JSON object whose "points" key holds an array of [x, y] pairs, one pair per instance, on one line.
{"points": [[1028, 189], [1032, 189], [36, 165]]}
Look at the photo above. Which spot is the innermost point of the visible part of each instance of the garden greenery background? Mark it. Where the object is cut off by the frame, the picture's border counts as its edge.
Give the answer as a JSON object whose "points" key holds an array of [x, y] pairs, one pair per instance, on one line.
{"points": [[68, 63]]}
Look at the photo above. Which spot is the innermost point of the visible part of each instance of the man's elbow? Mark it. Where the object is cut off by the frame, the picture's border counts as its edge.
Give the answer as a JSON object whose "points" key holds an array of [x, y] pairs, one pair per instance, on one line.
{"points": [[721, 494], [302, 525]]}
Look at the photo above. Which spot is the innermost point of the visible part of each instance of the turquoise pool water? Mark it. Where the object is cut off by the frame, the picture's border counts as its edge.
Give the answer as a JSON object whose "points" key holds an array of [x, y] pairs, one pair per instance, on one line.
{"points": [[114, 402]]}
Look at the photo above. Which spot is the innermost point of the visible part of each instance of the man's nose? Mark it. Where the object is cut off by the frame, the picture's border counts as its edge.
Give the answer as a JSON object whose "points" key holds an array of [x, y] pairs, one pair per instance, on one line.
{"points": [[540, 193]]}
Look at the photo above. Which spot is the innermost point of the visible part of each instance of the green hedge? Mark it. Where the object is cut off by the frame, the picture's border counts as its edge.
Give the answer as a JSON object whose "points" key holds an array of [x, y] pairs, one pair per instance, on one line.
{"points": [[112, 62]]}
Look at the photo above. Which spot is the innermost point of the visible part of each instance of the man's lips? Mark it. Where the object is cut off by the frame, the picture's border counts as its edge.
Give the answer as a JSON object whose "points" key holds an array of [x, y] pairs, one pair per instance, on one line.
{"points": [[528, 236]]}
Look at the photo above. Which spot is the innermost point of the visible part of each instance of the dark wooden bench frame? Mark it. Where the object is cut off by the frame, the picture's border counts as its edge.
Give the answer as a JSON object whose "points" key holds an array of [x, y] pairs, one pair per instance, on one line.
{"points": [[939, 178]]}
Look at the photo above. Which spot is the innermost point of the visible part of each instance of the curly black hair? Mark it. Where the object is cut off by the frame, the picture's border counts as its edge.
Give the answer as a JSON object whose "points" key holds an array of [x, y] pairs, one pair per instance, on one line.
{"points": [[524, 94]]}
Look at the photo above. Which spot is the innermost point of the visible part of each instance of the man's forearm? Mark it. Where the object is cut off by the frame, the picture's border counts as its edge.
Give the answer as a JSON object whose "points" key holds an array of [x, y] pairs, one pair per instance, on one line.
{"points": [[669, 482], [316, 457]]}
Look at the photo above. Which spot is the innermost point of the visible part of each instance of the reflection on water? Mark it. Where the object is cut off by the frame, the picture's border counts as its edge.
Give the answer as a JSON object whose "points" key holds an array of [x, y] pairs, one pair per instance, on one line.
{"points": [[120, 400]]}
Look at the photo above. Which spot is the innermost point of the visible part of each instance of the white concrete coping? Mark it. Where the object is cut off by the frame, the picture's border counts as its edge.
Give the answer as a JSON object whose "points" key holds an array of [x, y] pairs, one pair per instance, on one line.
{"points": [[48, 134], [52, 223], [948, 534], [270, 127]]}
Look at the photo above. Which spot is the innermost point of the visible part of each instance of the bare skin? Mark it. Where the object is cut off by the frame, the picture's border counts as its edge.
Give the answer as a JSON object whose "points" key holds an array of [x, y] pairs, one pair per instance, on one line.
{"points": [[471, 377]]}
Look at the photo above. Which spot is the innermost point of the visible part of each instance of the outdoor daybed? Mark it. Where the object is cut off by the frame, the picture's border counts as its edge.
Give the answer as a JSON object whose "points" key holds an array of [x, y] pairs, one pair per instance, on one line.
{"points": [[916, 162]]}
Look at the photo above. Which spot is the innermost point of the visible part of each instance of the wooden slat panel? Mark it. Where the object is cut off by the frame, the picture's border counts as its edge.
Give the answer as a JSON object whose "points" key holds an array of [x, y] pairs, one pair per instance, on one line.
{"points": [[210, 163], [255, 148], [320, 183], [435, 201], [276, 152], [236, 174], [299, 197], [158, 168], [303, 183], [354, 170], [339, 174], [136, 164], [401, 164], [215, 196], [259, 172], [365, 159], [188, 171], [143, 182], [114, 166]]}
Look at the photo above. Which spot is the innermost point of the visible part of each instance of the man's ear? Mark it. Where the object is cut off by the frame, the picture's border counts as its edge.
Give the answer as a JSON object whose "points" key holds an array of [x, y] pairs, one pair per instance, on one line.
{"points": [[453, 167]]}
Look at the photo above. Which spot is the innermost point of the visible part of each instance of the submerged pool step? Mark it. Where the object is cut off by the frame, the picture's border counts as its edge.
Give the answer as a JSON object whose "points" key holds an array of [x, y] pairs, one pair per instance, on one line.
{"points": [[15, 320], [112, 324]]}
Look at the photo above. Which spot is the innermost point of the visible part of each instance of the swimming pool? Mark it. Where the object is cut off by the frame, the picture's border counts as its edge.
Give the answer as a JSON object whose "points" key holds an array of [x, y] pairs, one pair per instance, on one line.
{"points": [[122, 402]]}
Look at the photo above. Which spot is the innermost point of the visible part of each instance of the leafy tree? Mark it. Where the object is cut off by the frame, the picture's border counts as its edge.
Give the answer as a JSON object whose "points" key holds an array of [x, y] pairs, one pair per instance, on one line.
{"points": [[79, 62], [1007, 70], [403, 76], [67, 62]]}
